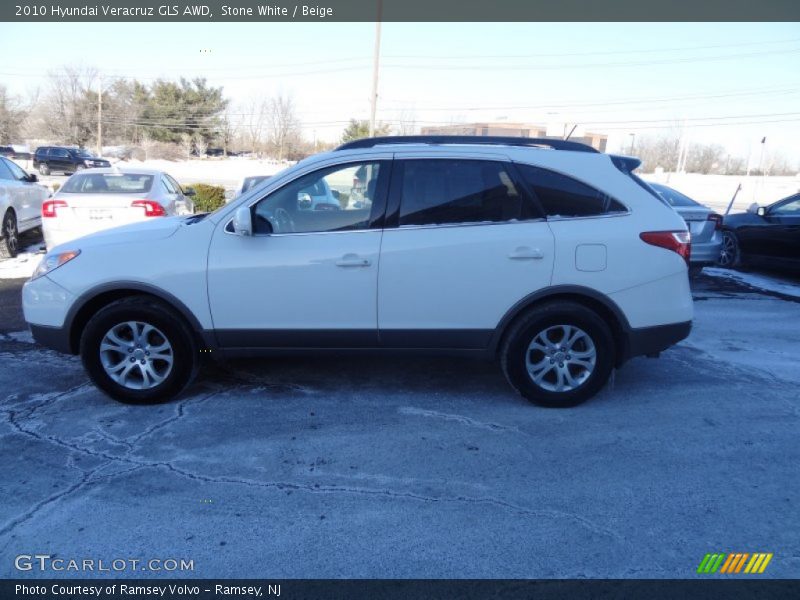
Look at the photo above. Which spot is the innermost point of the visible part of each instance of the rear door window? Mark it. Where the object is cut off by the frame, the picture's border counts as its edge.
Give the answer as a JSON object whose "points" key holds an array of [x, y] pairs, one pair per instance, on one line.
{"points": [[563, 196], [453, 191]]}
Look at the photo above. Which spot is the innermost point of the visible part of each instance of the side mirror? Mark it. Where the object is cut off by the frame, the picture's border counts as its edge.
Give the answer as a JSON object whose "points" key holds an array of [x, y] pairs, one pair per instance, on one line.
{"points": [[753, 208], [32, 178], [243, 221], [761, 211], [189, 191], [304, 200]]}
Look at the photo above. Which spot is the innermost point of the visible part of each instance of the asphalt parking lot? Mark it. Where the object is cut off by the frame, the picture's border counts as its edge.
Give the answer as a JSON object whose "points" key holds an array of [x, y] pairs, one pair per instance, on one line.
{"points": [[387, 467]]}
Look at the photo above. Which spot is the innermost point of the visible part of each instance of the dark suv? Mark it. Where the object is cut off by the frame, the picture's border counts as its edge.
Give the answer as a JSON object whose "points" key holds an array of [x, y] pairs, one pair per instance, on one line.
{"points": [[48, 159]]}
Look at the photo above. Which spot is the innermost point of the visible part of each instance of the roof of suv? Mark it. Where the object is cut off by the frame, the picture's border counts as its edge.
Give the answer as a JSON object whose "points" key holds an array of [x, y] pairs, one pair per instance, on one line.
{"points": [[468, 140]]}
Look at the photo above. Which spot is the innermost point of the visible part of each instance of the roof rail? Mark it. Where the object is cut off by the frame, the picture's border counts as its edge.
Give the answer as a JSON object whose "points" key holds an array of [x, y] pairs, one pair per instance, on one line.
{"points": [[489, 140]]}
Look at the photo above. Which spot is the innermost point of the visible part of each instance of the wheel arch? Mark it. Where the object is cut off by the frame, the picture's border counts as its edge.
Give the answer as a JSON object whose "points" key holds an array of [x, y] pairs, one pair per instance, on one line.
{"points": [[95, 299], [596, 301]]}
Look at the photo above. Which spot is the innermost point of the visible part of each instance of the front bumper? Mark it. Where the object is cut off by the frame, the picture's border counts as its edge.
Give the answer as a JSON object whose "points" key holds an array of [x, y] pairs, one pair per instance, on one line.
{"points": [[45, 305], [648, 341]]}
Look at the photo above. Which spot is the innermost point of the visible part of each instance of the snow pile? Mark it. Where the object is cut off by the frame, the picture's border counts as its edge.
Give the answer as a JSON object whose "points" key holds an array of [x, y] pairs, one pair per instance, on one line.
{"points": [[23, 266], [758, 281]]}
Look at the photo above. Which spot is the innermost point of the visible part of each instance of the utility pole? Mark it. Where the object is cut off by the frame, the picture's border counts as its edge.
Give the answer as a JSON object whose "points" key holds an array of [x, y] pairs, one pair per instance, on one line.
{"points": [[100, 116], [375, 61]]}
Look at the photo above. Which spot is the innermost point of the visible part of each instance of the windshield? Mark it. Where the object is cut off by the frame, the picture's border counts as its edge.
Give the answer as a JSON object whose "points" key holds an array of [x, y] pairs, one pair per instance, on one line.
{"points": [[84, 154], [109, 183]]}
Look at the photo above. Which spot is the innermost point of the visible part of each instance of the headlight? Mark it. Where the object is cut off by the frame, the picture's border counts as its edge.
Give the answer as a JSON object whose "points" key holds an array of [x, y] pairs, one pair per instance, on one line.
{"points": [[53, 261], [88, 163]]}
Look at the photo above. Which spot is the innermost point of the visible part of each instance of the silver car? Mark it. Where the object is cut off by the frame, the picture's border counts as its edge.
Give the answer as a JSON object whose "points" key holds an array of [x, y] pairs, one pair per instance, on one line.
{"points": [[97, 199], [704, 224]]}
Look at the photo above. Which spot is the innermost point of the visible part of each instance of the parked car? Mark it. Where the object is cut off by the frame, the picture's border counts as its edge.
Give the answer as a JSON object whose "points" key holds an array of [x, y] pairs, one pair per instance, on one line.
{"points": [[767, 236], [98, 199], [547, 254], [15, 152], [21, 200], [704, 225], [249, 183], [49, 159]]}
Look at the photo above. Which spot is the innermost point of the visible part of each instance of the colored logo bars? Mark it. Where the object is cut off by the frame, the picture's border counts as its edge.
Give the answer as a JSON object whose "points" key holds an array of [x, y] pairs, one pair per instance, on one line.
{"points": [[735, 563]]}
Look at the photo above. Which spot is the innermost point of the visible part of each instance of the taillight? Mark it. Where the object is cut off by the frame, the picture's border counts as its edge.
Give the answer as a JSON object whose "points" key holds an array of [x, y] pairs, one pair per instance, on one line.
{"points": [[717, 220], [49, 207], [677, 241], [151, 208]]}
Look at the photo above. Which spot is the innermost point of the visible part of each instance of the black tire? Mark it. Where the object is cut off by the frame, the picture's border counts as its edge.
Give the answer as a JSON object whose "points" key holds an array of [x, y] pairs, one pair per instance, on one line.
{"points": [[730, 254], [168, 324], [9, 244], [515, 353], [695, 271]]}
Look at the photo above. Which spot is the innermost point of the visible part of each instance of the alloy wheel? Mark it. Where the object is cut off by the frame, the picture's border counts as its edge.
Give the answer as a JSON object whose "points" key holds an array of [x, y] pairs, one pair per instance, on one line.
{"points": [[136, 355], [560, 358]]}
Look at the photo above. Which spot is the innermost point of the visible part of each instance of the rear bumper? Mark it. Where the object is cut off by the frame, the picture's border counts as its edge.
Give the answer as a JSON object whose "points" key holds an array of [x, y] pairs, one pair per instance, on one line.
{"points": [[55, 338], [705, 253], [652, 340]]}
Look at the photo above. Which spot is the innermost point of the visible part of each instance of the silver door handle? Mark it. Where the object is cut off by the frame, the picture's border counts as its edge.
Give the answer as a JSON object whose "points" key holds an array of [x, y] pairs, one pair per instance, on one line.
{"points": [[351, 260], [525, 253]]}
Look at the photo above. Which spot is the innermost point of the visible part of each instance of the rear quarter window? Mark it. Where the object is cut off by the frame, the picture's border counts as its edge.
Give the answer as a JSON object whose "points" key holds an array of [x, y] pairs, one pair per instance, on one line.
{"points": [[563, 196]]}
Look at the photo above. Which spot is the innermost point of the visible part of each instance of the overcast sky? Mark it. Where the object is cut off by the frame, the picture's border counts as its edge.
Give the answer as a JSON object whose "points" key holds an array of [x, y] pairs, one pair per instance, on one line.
{"points": [[728, 83]]}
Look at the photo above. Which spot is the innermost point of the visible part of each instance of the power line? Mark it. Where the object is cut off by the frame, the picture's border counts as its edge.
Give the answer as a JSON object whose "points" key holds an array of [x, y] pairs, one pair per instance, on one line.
{"points": [[472, 67], [366, 59]]}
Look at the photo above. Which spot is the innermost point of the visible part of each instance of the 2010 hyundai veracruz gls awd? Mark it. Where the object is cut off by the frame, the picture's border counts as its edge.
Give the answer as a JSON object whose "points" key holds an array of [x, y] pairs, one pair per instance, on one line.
{"points": [[549, 255]]}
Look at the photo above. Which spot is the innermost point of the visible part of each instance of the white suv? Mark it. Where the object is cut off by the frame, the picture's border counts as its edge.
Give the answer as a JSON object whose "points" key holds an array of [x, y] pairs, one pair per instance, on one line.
{"points": [[547, 254]]}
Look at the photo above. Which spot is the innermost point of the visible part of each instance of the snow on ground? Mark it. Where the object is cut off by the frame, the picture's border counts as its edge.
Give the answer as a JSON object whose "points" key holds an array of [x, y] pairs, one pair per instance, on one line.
{"points": [[749, 331], [23, 265], [759, 281]]}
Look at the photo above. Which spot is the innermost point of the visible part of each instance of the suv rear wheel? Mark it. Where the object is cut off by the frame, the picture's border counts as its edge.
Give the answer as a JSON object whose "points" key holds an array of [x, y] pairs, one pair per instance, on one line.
{"points": [[559, 354], [139, 351], [44, 169]]}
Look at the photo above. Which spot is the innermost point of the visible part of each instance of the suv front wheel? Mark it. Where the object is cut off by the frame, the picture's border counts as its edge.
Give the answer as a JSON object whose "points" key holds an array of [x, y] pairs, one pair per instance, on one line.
{"points": [[558, 355], [139, 351]]}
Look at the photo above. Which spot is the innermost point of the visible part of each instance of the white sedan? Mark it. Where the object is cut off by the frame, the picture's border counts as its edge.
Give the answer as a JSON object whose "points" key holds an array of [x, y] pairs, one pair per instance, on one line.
{"points": [[97, 199], [21, 200]]}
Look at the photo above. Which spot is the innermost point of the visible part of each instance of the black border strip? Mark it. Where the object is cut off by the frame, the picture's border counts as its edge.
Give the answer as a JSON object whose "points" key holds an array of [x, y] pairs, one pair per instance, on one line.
{"points": [[407, 10], [421, 589]]}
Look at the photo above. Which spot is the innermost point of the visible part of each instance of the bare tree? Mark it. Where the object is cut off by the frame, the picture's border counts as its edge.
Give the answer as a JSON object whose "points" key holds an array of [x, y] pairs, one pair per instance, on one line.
{"points": [[407, 122], [704, 158], [12, 115], [187, 144], [284, 127], [200, 145], [254, 122], [657, 151], [70, 115], [227, 132]]}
